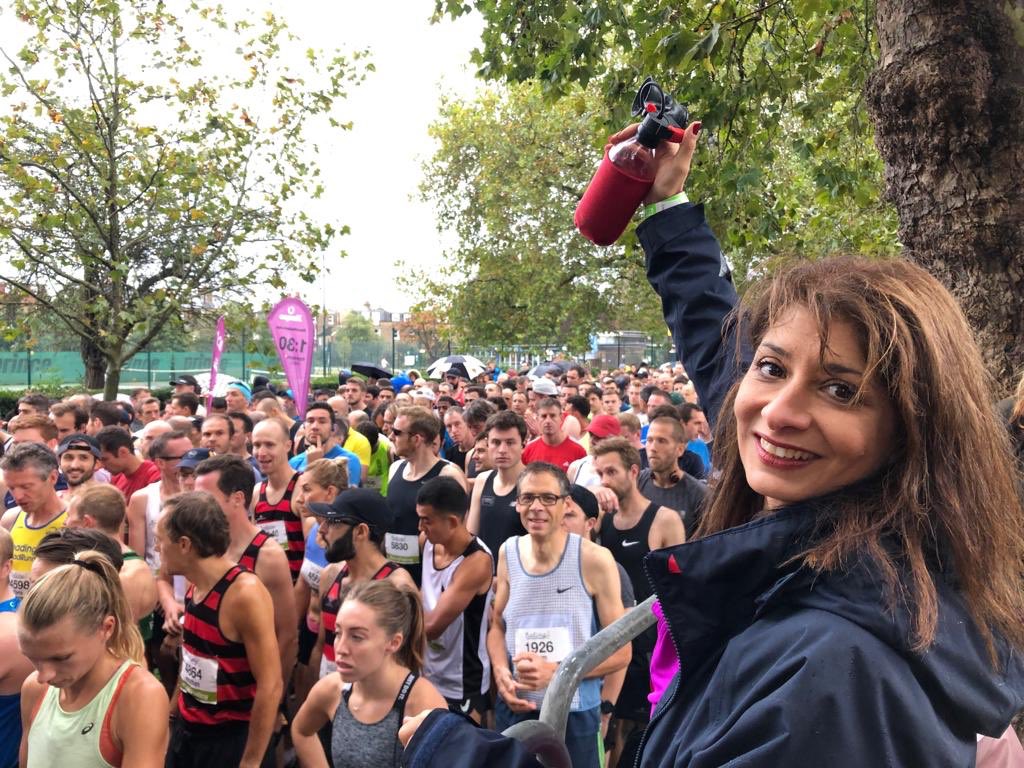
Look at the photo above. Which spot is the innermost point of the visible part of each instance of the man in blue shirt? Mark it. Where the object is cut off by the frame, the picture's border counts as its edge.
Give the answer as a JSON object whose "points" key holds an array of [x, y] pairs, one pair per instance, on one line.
{"points": [[322, 443]]}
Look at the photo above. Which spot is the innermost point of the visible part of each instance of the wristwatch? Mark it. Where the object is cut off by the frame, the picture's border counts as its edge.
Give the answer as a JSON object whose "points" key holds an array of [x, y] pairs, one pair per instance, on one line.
{"points": [[607, 707]]}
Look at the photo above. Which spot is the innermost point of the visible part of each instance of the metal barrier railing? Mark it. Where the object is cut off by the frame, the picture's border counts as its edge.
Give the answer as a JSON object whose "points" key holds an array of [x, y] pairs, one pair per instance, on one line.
{"points": [[546, 736]]}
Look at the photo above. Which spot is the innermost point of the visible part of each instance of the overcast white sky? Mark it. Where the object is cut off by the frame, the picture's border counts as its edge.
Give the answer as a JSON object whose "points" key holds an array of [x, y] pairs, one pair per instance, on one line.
{"points": [[414, 61]]}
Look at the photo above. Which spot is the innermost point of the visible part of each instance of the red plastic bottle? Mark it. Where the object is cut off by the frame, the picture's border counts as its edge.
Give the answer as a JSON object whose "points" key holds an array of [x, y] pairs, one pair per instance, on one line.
{"points": [[627, 170]]}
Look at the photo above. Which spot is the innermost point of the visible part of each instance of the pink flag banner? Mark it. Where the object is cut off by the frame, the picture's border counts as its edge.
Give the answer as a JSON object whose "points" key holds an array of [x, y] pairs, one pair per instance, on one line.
{"points": [[219, 338], [291, 327]]}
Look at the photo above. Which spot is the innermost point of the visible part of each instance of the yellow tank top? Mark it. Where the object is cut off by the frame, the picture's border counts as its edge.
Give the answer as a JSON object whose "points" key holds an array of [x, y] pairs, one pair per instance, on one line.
{"points": [[26, 539]]}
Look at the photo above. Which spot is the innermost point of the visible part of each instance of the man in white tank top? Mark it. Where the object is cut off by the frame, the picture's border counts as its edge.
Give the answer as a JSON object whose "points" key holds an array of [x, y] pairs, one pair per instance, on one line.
{"points": [[549, 585], [456, 591]]}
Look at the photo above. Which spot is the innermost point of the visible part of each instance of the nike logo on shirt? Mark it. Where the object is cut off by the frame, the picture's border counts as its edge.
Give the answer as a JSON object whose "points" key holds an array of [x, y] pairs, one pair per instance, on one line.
{"points": [[562, 589], [629, 543]]}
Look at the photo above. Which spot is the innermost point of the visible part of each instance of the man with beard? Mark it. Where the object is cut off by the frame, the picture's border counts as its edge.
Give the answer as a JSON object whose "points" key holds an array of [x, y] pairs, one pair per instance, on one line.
{"points": [[228, 479], [352, 530], [638, 526], [663, 482], [355, 393], [414, 434], [78, 455], [272, 509]]}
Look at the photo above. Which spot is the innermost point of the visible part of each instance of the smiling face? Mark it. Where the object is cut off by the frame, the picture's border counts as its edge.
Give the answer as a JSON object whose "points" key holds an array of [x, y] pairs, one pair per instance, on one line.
{"points": [[799, 434], [539, 519], [77, 466]]}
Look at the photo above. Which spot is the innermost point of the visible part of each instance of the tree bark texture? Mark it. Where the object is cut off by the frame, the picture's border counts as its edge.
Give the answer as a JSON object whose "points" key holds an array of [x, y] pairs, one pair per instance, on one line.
{"points": [[95, 364], [947, 101]]}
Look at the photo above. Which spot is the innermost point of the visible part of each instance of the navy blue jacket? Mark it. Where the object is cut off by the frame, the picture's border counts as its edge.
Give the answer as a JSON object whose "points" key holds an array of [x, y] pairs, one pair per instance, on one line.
{"points": [[780, 666]]}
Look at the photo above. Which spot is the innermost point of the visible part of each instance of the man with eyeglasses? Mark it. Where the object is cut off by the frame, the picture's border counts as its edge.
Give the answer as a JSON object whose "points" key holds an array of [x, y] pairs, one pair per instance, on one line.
{"points": [[413, 438], [550, 585], [352, 531]]}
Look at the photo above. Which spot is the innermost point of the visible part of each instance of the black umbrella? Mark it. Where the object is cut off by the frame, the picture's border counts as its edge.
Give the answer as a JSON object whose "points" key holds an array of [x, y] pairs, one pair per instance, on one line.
{"points": [[370, 371]]}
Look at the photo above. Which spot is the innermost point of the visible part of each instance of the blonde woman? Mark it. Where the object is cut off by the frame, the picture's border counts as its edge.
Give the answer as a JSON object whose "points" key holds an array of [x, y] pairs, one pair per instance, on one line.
{"points": [[90, 701]]}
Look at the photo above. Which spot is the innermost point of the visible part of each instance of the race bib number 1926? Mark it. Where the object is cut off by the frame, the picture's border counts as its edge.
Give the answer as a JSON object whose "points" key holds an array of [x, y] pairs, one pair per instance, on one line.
{"points": [[553, 643]]}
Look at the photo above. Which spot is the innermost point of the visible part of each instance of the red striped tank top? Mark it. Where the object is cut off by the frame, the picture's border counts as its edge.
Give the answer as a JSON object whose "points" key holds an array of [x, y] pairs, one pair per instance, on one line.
{"points": [[216, 681], [331, 602], [283, 525], [248, 558]]}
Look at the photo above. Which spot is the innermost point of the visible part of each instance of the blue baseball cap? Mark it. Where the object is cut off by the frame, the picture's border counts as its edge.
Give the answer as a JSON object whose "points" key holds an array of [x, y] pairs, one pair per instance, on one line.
{"points": [[242, 387]]}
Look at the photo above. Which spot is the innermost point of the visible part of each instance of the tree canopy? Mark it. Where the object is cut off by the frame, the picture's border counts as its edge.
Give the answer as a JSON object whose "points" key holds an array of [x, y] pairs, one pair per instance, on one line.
{"points": [[148, 167], [505, 179], [776, 84]]}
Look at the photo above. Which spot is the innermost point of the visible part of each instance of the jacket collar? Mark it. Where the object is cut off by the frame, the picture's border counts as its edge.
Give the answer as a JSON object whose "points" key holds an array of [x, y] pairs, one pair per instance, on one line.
{"points": [[712, 588]]}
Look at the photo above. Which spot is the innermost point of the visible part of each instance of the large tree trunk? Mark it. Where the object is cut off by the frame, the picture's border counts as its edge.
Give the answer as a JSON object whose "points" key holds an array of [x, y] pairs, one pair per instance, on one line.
{"points": [[113, 381], [947, 100], [95, 364]]}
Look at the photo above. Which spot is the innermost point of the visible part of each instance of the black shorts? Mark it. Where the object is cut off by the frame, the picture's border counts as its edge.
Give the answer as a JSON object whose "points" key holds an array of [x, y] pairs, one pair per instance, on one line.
{"points": [[214, 745], [632, 703], [479, 704], [307, 641]]}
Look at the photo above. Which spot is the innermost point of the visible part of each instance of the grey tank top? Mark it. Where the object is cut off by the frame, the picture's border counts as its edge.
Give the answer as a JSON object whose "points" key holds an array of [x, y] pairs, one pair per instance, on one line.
{"points": [[376, 745]]}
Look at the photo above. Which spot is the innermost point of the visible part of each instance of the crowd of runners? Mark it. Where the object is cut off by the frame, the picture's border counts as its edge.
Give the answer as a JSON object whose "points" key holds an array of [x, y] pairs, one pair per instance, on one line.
{"points": [[234, 585]]}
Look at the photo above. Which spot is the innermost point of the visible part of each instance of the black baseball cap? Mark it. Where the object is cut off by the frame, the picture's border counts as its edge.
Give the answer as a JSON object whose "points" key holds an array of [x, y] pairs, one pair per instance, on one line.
{"points": [[78, 442], [357, 505], [186, 378], [585, 500], [194, 458]]}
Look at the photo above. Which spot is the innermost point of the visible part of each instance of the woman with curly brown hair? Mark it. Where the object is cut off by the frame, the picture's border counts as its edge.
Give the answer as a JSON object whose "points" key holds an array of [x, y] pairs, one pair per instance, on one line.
{"points": [[854, 595]]}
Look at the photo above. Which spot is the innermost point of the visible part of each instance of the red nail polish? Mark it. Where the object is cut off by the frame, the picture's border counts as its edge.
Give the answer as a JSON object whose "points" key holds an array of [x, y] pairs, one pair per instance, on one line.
{"points": [[696, 129]]}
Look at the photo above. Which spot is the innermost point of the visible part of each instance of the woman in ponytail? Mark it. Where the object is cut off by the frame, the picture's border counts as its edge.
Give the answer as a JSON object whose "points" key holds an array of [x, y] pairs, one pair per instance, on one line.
{"points": [[89, 702], [379, 654]]}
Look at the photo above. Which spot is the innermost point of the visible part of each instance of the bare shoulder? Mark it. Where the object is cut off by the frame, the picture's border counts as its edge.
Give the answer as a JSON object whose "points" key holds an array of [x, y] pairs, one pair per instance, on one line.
{"points": [[423, 696], [10, 517], [595, 558], [401, 577], [142, 686], [272, 556]]}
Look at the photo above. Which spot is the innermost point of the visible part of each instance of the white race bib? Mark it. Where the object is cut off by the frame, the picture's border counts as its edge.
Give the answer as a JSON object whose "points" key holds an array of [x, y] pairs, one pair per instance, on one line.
{"points": [[198, 677], [275, 529], [553, 643], [403, 549], [20, 583]]}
